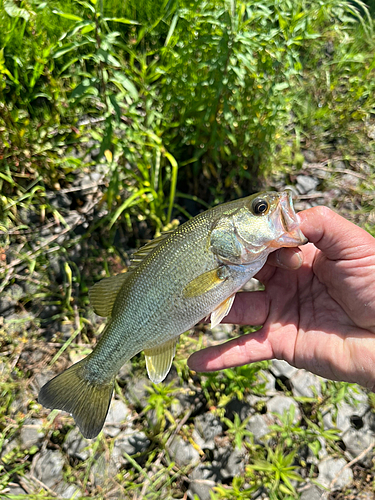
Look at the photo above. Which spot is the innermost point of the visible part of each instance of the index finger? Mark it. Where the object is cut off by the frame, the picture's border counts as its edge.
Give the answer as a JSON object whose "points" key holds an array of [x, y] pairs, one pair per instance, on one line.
{"points": [[337, 237]]}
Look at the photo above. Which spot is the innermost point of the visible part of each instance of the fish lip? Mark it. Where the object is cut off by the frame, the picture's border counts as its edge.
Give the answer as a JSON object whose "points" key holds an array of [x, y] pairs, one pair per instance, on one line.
{"points": [[292, 234]]}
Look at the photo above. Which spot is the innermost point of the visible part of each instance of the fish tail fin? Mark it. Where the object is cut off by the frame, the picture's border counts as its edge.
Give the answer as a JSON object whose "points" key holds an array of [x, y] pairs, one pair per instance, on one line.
{"points": [[87, 402]]}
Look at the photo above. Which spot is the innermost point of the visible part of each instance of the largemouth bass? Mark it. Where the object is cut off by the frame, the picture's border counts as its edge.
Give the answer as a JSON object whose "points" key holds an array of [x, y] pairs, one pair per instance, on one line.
{"points": [[174, 282]]}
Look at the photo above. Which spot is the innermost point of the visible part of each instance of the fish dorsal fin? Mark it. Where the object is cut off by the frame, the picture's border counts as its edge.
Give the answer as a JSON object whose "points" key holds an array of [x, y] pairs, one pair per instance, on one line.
{"points": [[221, 311], [159, 360], [103, 294], [142, 252], [205, 282]]}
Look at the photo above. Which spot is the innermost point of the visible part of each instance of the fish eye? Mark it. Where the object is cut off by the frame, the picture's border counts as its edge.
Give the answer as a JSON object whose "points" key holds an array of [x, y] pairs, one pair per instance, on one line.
{"points": [[260, 206]]}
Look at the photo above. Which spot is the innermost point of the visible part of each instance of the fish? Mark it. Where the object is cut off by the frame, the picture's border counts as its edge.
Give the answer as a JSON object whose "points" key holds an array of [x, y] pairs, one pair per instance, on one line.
{"points": [[173, 283]]}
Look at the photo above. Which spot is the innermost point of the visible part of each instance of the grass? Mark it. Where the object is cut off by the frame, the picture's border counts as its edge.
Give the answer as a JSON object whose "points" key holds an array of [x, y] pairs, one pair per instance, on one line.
{"points": [[107, 88]]}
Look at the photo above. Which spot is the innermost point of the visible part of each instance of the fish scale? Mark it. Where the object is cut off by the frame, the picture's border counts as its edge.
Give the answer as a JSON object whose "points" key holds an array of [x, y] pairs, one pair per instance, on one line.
{"points": [[173, 283]]}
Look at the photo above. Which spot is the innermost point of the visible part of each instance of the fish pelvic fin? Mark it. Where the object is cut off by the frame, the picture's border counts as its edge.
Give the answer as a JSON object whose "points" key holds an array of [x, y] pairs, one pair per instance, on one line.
{"points": [[159, 360], [87, 402], [221, 311]]}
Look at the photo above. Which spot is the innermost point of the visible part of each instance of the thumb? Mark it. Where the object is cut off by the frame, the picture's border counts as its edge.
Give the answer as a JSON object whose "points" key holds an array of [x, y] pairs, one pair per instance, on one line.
{"points": [[338, 238]]}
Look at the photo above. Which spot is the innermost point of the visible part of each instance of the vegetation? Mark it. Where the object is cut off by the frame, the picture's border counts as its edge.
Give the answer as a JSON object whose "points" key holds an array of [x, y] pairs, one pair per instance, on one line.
{"points": [[118, 120]]}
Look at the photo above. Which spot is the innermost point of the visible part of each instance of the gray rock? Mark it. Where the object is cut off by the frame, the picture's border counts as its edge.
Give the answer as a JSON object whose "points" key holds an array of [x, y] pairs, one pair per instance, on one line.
{"points": [[104, 470], [339, 164], [333, 475], [346, 412], [118, 413], [7, 306], [270, 382], [236, 407], [136, 392], [312, 493], [43, 377], [202, 483], [281, 404], [222, 331], [75, 445], [131, 442], [31, 432], [231, 463], [66, 490], [356, 441], [281, 367], [303, 382], [306, 183], [182, 452], [208, 426], [13, 489], [309, 156], [258, 426], [48, 467], [176, 408], [17, 323]]}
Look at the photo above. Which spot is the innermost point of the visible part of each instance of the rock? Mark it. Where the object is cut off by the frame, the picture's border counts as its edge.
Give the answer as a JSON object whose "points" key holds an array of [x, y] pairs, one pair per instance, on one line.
{"points": [[182, 452], [280, 367], [222, 331], [258, 426], [303, 382], [270, 380], [356, 441], [13, 489], [332, 469], [49, 310], [236, 407], [66, 490], [312, 493], [7, 306], [231, 463], [202, 483], [306, 183], [208, 426], [310, 156], [43, 377], [118, 413], [131, 442], [338, 164], [75, 445], [31, 432], [17, 323], [48, 467], [104, 469], [281, 404], [136, 392], [58, 199]]}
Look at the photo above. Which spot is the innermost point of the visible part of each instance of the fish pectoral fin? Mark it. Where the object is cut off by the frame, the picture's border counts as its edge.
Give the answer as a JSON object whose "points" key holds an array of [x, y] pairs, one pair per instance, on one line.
{"points": [[159, 360], [205, 282], [221, 311], [103, 294]]}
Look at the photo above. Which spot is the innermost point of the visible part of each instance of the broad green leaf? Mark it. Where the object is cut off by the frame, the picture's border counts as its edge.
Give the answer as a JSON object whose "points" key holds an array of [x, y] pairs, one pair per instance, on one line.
{"points": [[120, 20], [13, 11], [66, 15], [120, 78]]}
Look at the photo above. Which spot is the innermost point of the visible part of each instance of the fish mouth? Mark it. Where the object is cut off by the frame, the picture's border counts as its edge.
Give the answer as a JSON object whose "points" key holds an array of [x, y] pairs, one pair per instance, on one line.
{"points": [[291, 233]]}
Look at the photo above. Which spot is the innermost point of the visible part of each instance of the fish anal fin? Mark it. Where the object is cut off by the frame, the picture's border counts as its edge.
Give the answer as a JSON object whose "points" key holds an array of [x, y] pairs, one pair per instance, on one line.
{"points": [[87, 402], [159, 360], [205, 282], [103, 294], [221, 311]]}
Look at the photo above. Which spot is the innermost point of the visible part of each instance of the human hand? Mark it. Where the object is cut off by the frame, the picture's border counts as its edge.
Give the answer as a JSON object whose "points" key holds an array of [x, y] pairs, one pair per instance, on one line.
{"points": [[319, 316]]}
